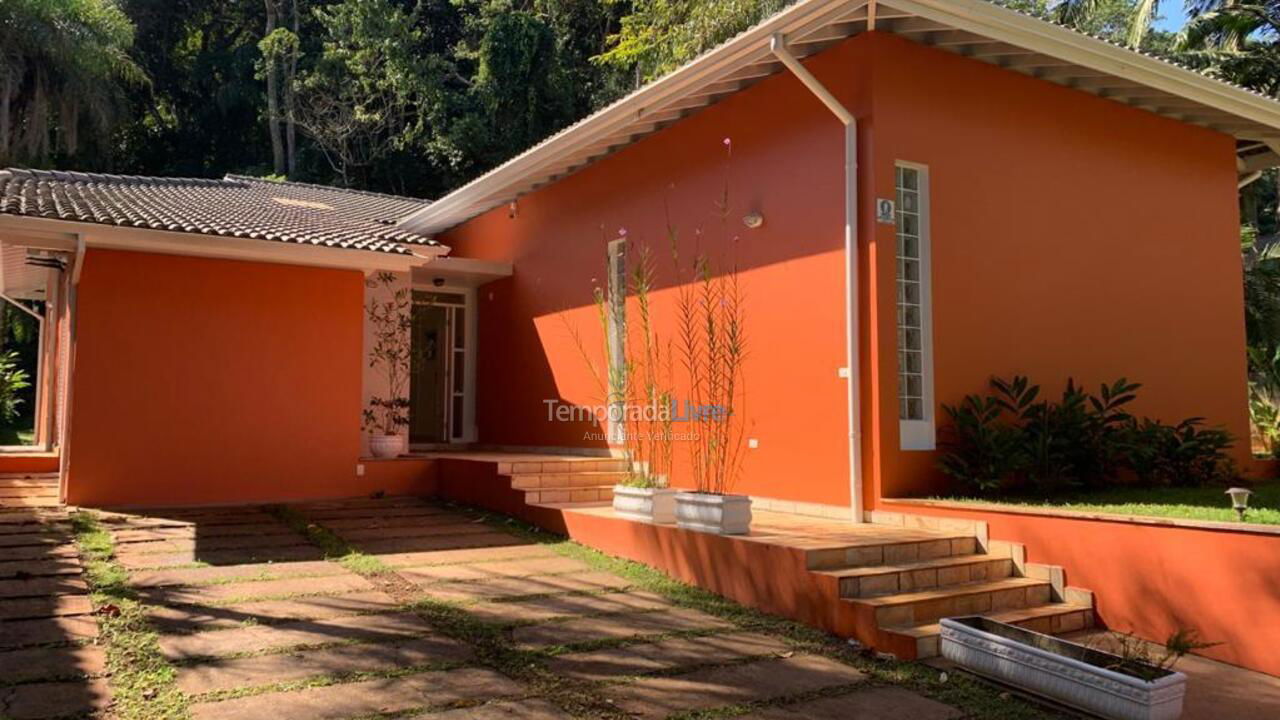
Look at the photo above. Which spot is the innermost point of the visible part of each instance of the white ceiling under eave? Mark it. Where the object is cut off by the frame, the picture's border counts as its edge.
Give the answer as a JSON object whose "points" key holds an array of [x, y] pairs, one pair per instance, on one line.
{"points": [[19, 279], [972, 28]]}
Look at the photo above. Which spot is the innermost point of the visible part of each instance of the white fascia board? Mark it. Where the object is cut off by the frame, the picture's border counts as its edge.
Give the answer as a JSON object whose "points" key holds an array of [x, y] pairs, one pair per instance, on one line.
{"points": [[1004, 25], [48, 233], [750, 46]]}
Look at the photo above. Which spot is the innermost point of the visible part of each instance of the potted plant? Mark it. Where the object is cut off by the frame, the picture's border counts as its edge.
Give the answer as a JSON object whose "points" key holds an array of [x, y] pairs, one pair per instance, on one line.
{"points": [[712, 349], [1130, 685], [389, 314]]}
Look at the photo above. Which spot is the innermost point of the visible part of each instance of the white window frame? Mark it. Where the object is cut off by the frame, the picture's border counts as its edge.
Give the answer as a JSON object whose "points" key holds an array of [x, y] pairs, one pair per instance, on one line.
{"points": [[470, 432], [920, 434]]}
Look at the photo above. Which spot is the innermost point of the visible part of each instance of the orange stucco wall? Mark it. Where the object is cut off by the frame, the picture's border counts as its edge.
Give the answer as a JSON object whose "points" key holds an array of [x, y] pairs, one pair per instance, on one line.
{"points": [[208, 381], [787, 164], [1072, 236]]}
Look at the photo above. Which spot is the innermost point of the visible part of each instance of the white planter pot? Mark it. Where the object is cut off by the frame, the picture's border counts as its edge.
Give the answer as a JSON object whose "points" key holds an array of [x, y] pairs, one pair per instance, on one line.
{"points": [[656, 505], [386, 446], [720, 514], [1064, 671]]}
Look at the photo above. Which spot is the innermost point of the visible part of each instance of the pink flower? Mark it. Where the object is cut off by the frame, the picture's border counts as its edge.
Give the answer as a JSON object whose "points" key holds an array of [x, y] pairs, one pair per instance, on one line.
{"points": [[728, 142], [622, 232]]}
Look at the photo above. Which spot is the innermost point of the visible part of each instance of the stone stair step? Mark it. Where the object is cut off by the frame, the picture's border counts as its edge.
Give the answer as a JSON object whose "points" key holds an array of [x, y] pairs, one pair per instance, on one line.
{"points": [[1050, 619], [28, 481], [929, 546], [918, 608], [558, 481], [599, 493], [873, 580], [567, 464]]}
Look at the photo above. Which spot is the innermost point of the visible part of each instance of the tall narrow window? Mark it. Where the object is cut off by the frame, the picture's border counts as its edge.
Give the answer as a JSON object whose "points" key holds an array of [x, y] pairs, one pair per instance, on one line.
{"points": [[915, 343], [617, 309]]}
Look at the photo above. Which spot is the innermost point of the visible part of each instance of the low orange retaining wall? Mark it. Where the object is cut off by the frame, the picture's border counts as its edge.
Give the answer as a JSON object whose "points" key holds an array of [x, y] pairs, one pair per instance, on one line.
{"points": [[395, 476], [1152, 578], [29, 463]]}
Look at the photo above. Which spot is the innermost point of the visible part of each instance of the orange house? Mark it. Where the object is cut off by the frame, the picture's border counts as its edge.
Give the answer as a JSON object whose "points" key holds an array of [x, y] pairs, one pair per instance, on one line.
{"points": [[917, 195]]}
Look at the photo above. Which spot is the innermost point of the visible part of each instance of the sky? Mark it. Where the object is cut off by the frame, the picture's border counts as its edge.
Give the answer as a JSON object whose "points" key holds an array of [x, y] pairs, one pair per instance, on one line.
{"points": [[1174, 16]]}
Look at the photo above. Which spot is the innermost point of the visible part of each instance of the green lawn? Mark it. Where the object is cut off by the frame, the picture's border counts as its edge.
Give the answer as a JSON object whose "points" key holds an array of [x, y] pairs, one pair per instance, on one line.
{"points": [[1210, 503], [17, 436]]}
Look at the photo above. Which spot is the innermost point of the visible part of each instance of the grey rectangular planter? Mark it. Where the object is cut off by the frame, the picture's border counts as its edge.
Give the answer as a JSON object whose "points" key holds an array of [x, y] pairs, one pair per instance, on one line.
{"points": [[655, 505], [1067, 672]]}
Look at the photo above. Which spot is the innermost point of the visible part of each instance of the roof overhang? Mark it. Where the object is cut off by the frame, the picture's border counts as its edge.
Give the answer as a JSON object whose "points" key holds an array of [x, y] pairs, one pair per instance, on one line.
{"points": [[973, 28], [461, 272], [64, 235]]}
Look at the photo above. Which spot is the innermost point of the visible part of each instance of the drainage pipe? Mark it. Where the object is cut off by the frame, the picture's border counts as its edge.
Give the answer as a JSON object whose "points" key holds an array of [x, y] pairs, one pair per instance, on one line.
{"points": [[778, 45]]}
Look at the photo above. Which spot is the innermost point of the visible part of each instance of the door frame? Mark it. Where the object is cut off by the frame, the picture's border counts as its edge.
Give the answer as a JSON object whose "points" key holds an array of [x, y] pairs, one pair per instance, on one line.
{"points": [[469, 433]]}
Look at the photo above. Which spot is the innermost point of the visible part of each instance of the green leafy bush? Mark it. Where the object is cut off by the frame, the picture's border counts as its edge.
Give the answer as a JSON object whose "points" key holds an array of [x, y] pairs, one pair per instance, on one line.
{"points": [[1014, 439], [12, 380]]}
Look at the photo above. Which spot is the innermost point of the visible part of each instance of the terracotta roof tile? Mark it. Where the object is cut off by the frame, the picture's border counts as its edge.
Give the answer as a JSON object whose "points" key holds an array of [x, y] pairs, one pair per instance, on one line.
{"points": [[234, 206]]}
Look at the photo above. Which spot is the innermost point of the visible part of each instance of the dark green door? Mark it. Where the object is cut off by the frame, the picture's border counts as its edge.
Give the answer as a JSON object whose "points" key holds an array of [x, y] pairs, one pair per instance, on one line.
{"points": [[427, 386]]}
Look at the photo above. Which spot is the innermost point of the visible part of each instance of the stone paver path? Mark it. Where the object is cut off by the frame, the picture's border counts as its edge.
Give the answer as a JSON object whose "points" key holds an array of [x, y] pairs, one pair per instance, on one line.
{"points": [[50, 665], [448, 619]]}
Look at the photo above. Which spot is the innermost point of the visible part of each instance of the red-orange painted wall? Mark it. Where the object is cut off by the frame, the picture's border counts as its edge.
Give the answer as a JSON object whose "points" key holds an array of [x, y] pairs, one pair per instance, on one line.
{"points": [[787, 163], [1072, 236], [213, 381], [1152, 580]]}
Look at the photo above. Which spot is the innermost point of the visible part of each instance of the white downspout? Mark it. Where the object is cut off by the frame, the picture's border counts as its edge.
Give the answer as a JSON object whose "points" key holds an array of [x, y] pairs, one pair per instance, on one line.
{"points": [[778, 45]]}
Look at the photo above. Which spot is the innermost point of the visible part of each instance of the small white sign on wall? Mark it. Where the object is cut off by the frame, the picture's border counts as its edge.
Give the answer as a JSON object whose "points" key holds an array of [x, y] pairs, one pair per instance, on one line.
{"points": [[886, 212]]}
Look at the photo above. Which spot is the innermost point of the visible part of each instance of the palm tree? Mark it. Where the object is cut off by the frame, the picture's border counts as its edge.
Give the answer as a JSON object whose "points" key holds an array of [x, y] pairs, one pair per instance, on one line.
{"points": [[62, 62], [1128, 21], [1230, 25]]}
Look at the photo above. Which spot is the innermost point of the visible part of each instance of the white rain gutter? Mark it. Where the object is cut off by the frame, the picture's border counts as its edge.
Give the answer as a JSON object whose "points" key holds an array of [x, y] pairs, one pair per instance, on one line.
{"points": [[853, 374]]}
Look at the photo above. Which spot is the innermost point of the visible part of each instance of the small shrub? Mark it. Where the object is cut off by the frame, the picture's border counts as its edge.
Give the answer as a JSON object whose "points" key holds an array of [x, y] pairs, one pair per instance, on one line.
{"points": [[12, 380], [1014, 439], [981, 452], [1183, 455]]}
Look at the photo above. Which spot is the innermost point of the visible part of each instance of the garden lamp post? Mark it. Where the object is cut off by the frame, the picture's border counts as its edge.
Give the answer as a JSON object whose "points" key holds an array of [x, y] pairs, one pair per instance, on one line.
{"points": [[1240, 500]]}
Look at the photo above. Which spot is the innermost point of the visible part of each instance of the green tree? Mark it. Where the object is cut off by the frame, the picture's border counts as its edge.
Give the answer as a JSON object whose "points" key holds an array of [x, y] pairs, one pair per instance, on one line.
{"points": [[368, 93], [63, 66], [660, 35]]}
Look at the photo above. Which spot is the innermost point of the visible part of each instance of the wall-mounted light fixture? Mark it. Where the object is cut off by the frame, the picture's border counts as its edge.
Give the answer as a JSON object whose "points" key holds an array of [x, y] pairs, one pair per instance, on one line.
{"points": [[753, 220]]}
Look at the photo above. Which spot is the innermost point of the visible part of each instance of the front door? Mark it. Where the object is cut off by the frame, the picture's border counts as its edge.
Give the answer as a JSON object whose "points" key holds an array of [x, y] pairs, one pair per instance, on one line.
{"points": [[437, 382], [428, 383]]}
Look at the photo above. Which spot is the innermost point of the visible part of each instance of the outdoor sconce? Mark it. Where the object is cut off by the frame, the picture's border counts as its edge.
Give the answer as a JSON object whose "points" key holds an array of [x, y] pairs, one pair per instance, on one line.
{"points": [[1240, 500], [753, 220]]}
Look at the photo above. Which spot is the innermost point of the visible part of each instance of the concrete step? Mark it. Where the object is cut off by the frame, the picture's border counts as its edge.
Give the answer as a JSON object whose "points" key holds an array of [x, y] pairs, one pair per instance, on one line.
{"points": [[975, 598], [871, 581], [1050, 619], [563, 481], [28, 481], [929, 546], [602, 493], [42, 501], [567, 464]]}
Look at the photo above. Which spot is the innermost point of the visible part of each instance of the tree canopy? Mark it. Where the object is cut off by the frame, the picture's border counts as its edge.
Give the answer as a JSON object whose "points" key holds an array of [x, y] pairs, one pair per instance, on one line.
{"points": [[419, 96]]}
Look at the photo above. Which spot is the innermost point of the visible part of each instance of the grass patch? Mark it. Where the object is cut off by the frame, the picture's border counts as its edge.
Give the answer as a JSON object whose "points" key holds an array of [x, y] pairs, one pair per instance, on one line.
{"points": [[323, 681], [1207, 503], [333, 546], [142, 681]]}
